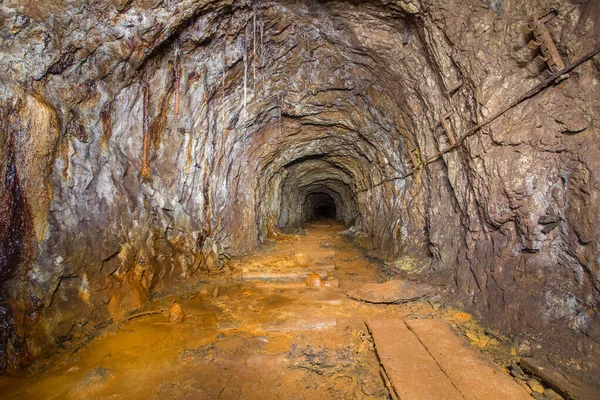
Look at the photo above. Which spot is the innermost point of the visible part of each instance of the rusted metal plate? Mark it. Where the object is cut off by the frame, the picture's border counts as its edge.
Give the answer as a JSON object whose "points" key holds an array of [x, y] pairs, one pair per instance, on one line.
{"points": [[543, 40]]}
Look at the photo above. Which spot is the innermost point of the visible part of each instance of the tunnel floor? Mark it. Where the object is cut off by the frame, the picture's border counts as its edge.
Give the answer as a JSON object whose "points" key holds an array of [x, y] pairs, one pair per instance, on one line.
{"points": [[250, 339]]}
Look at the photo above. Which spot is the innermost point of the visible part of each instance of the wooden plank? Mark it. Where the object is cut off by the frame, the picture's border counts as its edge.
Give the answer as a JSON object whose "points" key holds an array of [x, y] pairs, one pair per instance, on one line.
{"points": [[473, 375], [331, 283], [293, 325], [413, 373], [567, 386], [281, 275]]}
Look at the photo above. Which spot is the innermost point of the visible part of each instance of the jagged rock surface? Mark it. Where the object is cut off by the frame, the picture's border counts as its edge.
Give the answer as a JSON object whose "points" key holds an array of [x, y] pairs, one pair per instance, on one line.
{"points": [[107, 199]]}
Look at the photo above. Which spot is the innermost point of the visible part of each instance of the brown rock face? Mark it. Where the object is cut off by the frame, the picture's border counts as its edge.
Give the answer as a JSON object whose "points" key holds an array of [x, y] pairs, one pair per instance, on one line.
{"points": [[142, 143]]}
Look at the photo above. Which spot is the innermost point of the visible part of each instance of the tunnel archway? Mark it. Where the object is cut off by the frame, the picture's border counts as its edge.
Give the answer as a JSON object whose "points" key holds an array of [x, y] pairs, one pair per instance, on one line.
{"points": [[319, 205], [312, 187], [175, 136]]}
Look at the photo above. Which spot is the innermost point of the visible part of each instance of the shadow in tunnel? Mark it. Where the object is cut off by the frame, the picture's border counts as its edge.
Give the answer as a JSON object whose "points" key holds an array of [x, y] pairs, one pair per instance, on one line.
{"points": [[314, 189], [320, 206], [325, 209]]}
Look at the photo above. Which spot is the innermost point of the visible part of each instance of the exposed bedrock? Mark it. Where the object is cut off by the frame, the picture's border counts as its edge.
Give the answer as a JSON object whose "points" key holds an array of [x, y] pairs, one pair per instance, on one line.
{"points": [[144, 142]]}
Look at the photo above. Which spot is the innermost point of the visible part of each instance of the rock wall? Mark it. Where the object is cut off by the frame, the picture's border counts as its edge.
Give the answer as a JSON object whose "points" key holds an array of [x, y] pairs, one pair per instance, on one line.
{"points": [[143, 142]]}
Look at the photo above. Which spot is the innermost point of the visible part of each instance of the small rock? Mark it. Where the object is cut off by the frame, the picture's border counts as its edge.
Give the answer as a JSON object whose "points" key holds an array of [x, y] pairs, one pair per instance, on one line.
{"points": [[523, 383], [535, 386], [549, 228], [479, 340], [523, 348], [549, 219], [550, 394], [472, 337], [517, 372], [484, 340], [314, 281], [176, 314]]}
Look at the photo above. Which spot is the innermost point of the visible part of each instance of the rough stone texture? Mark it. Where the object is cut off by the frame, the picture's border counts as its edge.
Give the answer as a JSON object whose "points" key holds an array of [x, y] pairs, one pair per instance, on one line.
{"points": [[279, 102]]}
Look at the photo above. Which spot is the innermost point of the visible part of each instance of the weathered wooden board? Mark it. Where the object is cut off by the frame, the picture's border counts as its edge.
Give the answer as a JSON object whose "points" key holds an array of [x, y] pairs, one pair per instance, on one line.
{"points": [[475, 376], [413, 373]]}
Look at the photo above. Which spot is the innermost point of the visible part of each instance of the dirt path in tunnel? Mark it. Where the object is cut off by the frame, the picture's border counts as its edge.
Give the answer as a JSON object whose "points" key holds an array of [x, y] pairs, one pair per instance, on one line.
{"points": [[252, 339]]}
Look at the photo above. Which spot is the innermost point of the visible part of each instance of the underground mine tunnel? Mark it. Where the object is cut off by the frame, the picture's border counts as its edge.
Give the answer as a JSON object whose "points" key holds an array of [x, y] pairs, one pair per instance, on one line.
{"points": [[299, 199]]}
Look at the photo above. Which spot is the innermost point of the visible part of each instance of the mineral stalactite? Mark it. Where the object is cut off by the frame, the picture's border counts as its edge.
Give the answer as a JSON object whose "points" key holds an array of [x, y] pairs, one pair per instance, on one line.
{"points": [[145, 171], [177, 72]]}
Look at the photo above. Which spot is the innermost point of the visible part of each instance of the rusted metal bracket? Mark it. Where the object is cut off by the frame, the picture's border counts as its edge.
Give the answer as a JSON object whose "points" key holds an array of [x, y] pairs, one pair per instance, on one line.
{"points": [[543, 40], [415, 158], [445, 121]]}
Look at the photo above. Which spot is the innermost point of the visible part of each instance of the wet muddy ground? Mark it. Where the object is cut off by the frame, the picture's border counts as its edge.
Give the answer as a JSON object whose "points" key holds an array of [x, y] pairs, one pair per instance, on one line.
{"points": [[250, 339]]}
